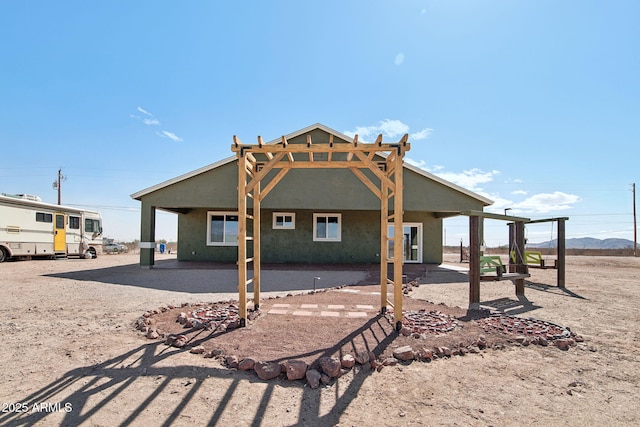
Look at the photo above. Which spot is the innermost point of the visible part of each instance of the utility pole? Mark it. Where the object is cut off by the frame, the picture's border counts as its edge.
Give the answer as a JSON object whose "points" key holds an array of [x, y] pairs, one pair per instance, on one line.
{"points": [[58, 185], [635, 226]]}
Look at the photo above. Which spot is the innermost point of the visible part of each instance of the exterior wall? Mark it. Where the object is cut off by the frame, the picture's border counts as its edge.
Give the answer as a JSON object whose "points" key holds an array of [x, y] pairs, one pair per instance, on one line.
{"points": [[360, 241]]}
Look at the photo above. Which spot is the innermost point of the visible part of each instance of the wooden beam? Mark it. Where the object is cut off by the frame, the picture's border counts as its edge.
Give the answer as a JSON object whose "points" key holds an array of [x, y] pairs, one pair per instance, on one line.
{"points": [[284, 141], [264, 171], [378, 140], [366, 181], [320, 148], [237, 141], [242, 239], [260, 141], [384, 246], [562, 252], [276, 179], [355, 140], [257, 255], [474, 260], [374, 168], [397, 242]]}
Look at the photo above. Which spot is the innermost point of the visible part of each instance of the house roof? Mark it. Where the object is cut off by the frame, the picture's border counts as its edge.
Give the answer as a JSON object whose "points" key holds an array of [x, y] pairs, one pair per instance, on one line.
{"points": [[138, 195]]}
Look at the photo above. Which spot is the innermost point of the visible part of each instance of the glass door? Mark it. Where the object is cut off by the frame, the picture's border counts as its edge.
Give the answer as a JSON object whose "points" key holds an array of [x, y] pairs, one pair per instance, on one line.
{"points": [[411, 242]]}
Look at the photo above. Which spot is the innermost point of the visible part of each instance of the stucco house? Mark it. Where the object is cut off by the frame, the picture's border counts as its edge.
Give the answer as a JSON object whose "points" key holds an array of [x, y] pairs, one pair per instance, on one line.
{"points": [[311, 216]]}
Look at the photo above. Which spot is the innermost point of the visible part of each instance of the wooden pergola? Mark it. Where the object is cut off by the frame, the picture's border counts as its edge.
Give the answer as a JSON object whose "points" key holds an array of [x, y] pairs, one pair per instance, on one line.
{"points": [[378, 165], [518, 270]]}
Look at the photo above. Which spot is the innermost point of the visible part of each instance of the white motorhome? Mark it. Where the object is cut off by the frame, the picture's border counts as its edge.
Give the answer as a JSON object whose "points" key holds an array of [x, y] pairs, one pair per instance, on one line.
{"points": [[31, 228]]}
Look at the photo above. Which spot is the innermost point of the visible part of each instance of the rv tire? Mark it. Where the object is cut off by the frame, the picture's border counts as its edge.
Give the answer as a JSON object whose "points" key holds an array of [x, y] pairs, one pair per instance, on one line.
{"points": [[3, 255]]}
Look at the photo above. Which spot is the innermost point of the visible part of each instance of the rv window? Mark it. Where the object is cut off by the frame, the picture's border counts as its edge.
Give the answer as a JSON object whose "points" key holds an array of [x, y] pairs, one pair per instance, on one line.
{"points": [[74, 223], [44, 217], [92, 226]]}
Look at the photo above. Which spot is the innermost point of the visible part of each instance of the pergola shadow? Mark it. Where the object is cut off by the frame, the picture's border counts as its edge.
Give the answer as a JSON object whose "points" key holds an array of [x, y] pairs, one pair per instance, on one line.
{"points": [[89, 389]]}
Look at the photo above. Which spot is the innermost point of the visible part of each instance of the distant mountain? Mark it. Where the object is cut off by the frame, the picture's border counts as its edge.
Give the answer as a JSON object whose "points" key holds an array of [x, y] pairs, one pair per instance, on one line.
{"points": [[587, 243]]}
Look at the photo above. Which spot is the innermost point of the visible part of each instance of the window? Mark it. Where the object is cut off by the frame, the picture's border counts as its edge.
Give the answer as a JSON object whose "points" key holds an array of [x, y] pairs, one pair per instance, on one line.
{"points": [[284, 220], [44, 217], [74, 223], [92, 226], [327, 227], [222, 229]]}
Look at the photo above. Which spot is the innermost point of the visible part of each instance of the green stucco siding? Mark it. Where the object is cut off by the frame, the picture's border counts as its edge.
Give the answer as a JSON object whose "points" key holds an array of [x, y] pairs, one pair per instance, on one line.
{"points": [[360, 240]]}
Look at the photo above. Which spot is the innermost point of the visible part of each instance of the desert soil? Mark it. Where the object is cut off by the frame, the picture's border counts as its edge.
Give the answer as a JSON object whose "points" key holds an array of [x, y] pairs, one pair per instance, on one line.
{"points": [[70, 353]]}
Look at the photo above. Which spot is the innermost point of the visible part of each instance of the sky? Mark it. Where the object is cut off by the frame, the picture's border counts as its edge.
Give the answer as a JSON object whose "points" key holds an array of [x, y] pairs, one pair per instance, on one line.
{"points": [[534, 104]]}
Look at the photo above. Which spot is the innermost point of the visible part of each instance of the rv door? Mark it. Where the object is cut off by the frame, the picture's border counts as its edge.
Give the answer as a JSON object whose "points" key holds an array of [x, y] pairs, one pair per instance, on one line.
{"points": [[59, 233]]}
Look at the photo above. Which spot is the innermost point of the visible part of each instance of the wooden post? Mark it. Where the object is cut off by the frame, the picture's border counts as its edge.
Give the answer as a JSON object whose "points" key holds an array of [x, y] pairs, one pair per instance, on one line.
{"points": [[474, 260], [384, 246], [242, 237], [512, 247], [256, 246], [562, 252], [397, 242], [519, 251]]}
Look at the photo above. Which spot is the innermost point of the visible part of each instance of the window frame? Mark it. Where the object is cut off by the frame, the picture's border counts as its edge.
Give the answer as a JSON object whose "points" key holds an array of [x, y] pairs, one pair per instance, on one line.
{"points": [[275, 225], [44, 217], [327, 216], [211, 214]]}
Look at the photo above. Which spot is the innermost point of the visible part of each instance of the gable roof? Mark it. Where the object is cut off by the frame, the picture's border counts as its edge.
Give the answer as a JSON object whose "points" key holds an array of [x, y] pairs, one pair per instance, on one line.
{"points": [[138, 195]]}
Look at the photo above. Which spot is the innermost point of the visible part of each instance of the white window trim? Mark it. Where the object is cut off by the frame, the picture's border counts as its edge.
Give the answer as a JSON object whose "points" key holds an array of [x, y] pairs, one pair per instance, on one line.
{"points": [[284, 227], [217, 213], [327, 215]]}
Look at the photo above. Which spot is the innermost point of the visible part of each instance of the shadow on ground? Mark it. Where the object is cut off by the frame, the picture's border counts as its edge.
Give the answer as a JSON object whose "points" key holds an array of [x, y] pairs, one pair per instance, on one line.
{"points": [[91, 389]]}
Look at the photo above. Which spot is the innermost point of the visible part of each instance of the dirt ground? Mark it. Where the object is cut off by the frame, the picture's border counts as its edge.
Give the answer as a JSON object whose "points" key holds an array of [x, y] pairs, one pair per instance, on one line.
{"points": [[70, 354]]}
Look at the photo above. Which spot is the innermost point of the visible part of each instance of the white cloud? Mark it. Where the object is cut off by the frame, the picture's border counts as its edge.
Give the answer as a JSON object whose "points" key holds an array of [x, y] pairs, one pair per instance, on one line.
{"points": [[388, 128], [399, 59], [519, 193], [150, 122], [548, 202], [422, 134], [144, 111], [471, 179], [172, 136]]}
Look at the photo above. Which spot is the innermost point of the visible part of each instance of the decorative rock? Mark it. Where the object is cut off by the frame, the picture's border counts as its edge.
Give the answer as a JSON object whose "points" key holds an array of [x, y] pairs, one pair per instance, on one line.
{"points": [[330, 366], [231, 361], [443, 351], [295, 369], [406, 331], [246, 364], [543, 341], [267, 370], [348, 361], [425, 354], [390, 361], [562, 344], [362, 357], [197, 350], [313, 378], [152, 334], [182, 318], [325, 379], [404, 353]]}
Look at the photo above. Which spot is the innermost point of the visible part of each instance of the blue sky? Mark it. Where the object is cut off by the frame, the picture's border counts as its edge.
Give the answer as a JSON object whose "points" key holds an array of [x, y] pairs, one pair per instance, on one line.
{"points": [[534, 104]]}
